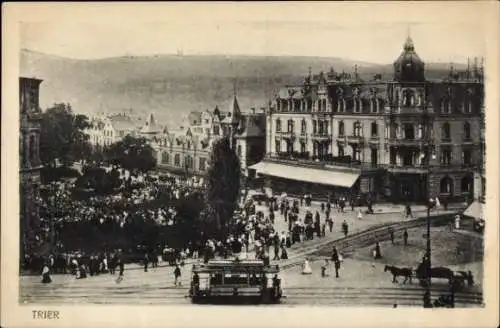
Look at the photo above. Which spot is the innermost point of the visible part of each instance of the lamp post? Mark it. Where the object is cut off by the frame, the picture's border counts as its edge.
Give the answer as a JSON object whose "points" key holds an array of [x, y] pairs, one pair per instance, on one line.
{"points": [[427, 258]]}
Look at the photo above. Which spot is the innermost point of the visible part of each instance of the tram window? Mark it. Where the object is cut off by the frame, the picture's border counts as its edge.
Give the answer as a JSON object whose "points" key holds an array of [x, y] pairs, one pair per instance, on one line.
{"points": [[255, 280], [236, 279], [216, 279]]}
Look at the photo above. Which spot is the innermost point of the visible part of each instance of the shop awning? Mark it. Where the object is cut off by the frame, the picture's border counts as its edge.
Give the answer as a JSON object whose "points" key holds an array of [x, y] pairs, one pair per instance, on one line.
{"points": [[475, 210], [305, 174]]}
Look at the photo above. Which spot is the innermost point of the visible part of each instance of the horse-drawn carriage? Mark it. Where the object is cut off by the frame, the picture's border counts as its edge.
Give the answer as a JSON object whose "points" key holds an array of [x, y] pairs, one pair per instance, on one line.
{"points": [[456, 279]]}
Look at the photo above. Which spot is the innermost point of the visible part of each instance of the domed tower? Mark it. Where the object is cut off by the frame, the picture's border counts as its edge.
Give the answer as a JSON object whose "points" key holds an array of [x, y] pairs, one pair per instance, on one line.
{"points": [[409, 67]]}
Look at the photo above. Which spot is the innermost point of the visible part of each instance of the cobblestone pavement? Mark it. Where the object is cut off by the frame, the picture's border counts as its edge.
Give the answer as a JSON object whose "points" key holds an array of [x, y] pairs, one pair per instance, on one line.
{"points": [[361, 283]]}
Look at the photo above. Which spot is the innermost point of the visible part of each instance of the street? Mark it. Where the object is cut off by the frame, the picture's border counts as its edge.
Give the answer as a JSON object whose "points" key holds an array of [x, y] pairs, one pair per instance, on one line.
{"points": [[360, 282]]}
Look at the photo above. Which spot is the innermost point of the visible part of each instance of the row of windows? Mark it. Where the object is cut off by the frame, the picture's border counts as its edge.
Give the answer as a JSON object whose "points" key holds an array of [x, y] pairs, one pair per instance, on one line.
{"points": [[321, 127], [408, 159], [356, 104], [188, 161], [446, 185]]}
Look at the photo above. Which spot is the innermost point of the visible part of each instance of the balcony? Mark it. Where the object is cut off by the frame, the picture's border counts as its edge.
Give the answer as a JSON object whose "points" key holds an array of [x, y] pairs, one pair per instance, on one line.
{"points": [[321, 136], [417, 142], [408, 168], [355, 139], [327, 161], [446, 139], [285, 134], [375, 139], [410, 110]]}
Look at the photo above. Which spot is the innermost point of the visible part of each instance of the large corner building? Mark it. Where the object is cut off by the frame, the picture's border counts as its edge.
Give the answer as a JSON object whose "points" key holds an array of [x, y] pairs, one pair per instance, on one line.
{"points": [[29, 161], [401, 140]]}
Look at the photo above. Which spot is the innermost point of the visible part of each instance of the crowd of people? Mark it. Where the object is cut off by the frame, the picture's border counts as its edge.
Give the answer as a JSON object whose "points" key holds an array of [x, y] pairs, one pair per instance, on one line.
{"points": [[151, 198], [98, 226]]}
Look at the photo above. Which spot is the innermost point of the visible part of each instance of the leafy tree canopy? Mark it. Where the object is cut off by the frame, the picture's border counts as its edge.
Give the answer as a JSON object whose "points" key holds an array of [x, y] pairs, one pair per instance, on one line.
{"points": [[62, 135], [133, 154], [223, 179]]}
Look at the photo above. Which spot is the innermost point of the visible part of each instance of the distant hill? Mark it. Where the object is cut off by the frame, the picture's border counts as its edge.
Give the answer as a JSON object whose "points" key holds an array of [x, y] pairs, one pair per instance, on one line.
{"points": [[171, 86]]}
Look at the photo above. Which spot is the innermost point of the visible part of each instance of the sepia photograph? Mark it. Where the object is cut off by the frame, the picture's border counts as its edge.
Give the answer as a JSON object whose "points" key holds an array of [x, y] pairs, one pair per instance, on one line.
{"points": [[265, 162]]}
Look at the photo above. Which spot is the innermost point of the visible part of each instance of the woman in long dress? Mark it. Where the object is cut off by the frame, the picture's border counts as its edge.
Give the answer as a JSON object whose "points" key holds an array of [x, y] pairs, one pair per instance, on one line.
{"points": [[306, 267]]}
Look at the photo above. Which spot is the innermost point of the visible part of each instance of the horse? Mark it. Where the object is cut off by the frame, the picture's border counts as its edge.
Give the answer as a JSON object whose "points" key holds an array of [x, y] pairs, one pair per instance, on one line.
{"points": [[395, 271]]}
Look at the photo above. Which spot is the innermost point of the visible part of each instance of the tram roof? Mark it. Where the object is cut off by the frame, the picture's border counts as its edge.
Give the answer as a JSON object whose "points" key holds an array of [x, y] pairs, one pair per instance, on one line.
{"points": [[231, 265]]}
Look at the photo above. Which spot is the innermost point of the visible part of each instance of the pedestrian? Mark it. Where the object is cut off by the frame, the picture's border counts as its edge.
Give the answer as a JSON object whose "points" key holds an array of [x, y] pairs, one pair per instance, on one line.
{"points": [[377, 253], [408, 211], [284, 253], [177, 275], [351, 201], [146, 262], [391, 233], [360, 215], [335, 254], [345, 228], [46, 279], [325, 269], [330, 224], [337, 268], [405, 237], [323, 230], [322, 207], [276, 251], [306, 267]]}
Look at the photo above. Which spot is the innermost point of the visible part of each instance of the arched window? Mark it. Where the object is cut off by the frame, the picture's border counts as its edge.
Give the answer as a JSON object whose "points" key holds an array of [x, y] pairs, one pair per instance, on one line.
{"points": [[341, 128], [319, 105], [446, 186], [290, 126], [165, 158], [177, 160], [278, 105], [466, 184], [374, 128], [324, 105], [446, 134], [466, 130]]}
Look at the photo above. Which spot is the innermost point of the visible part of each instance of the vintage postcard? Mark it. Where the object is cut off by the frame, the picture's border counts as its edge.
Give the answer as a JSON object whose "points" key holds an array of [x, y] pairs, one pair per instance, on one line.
{"points": [[251, 164]]}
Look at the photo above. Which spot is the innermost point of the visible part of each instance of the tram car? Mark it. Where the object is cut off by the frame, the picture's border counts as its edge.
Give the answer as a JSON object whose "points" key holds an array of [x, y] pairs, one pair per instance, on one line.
{"points": [[234, 281]]}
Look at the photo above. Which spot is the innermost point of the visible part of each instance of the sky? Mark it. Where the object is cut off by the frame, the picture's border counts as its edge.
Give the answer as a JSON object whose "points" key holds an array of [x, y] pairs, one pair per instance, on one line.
{"points": [[363, 33]]}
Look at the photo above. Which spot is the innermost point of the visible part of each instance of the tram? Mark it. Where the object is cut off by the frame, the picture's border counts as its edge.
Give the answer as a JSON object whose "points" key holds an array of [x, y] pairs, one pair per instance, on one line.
{"points": [[234, 281]]}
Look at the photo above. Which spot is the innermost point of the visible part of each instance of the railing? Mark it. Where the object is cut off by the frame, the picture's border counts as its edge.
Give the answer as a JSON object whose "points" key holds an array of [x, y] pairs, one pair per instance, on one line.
{"points": [[403, 141], [285, 134], [320, 163], [325, 162], [357, 139], [403, 110], [323, 136]]}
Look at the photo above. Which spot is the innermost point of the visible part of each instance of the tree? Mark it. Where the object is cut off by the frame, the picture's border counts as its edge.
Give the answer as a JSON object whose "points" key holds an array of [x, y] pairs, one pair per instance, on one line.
{"points": [[132, 154], [62, 135], [223, 179]]}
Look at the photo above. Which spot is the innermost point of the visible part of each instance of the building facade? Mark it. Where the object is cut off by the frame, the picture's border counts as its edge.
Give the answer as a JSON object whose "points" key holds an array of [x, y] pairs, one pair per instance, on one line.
{"points": [[403, 139], [187, 150], [107, 129], [29, 161]]}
